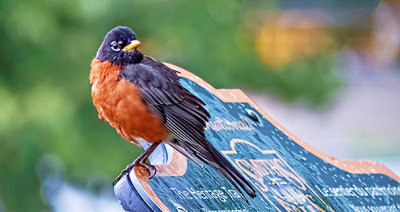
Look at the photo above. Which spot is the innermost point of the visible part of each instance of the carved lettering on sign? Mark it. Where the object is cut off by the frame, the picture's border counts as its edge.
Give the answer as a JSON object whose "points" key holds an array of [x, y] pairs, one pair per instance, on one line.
{"points": [[274, 178]]}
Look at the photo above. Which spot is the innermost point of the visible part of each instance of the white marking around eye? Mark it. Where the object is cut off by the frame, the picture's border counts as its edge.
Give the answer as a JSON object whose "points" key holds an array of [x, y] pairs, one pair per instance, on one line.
{"points": [[119, 45]]}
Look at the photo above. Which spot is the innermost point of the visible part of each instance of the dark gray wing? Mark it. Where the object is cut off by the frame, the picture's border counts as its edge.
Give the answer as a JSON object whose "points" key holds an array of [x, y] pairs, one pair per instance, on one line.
{"points": [[182, 113]]}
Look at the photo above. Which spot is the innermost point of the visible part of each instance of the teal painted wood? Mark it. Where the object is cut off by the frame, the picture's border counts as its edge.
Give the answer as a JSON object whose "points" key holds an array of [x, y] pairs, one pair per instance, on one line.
{"points": [[287, 176]]}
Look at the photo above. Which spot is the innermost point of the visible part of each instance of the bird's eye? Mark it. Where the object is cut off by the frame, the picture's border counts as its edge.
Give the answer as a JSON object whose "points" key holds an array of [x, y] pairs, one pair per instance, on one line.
{"points": [[116, 46]]}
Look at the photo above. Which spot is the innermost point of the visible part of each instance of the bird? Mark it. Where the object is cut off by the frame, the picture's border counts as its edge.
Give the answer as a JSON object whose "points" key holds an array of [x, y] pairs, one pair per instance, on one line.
{"points": [[142, 98]]}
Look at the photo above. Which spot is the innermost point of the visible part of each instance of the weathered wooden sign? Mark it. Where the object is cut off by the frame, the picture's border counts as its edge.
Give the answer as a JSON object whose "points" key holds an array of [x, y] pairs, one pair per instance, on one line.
{"points": [[288, 174]]}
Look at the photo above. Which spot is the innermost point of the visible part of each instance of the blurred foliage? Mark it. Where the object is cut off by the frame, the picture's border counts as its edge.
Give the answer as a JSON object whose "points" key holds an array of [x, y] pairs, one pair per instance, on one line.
{"points": [[46, 48]]}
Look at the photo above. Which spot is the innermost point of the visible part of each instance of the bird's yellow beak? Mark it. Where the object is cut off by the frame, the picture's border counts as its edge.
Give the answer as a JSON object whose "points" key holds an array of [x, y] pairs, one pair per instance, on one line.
{"points": [[133, 44]]}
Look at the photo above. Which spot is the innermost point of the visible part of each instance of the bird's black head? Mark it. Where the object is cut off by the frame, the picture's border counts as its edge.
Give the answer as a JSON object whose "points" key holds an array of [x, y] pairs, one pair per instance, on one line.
{"points": [[119, 47]]}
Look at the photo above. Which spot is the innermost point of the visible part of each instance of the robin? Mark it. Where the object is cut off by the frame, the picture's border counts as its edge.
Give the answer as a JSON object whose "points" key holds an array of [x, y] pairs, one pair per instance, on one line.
{"points": [[142, 98]]}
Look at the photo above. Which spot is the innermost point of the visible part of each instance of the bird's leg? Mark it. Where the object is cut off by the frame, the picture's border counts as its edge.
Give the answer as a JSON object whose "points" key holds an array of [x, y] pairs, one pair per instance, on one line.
{"points": [[140, 161]]}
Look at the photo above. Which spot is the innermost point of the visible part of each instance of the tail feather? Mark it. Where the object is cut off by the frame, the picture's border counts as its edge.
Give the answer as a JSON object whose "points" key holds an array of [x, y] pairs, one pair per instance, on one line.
{"points": [[223, 172], [233, 176]]}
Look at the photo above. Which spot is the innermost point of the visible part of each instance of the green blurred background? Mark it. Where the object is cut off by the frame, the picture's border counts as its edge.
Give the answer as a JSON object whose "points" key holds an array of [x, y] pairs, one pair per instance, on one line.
{"points": [[49, 130]]}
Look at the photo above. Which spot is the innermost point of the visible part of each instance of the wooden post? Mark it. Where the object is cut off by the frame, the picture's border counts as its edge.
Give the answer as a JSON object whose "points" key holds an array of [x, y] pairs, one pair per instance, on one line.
{"points": [[288, 174]]}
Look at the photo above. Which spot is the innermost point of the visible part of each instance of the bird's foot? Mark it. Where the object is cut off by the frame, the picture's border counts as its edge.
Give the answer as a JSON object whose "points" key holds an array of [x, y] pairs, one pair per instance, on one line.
{"points": [[150, 169], [140, 161]]}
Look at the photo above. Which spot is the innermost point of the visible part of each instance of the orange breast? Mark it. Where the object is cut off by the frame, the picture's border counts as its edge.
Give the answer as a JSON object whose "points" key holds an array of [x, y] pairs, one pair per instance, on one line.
{"points": [[119, 103]]}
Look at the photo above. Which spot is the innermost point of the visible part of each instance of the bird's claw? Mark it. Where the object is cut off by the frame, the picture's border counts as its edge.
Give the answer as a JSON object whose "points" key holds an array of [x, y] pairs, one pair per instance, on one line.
{"points": [[150, 169]]}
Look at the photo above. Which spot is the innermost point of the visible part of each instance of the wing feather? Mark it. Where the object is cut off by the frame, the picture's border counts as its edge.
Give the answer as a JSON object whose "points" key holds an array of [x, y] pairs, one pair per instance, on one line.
{"points": [[182, 113]]}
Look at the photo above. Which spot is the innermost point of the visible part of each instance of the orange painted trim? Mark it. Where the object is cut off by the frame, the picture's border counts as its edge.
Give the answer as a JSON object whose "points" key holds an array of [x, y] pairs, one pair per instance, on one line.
{"points": [[236, 95]]}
